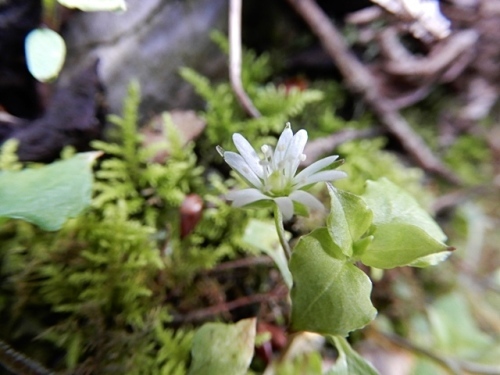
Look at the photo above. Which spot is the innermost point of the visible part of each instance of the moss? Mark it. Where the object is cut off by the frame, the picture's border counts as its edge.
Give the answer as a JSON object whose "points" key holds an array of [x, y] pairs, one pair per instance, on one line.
{"points": [[471, 158]]}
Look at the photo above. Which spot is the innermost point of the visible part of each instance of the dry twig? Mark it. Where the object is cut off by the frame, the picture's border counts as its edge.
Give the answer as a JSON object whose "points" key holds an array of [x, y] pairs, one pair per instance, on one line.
{"points": [[452, 365], [321, 146], [18, 363], [361, 81], [278, 293], [442, 57], [235, 58]]}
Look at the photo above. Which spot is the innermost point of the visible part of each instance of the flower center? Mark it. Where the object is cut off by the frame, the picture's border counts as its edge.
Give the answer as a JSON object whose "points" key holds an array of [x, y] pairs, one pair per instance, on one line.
{"points": [[277, 184], [277, 177]]}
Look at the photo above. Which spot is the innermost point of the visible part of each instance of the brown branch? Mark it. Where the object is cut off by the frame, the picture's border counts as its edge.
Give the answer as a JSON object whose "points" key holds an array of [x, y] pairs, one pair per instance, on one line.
{"points": [[364, 16], [361, 81], [438, 60], [322, 146], [235, 58], [280, 292], [18, 363], [452, 365], [263, 260], [391, 47], [482, 97], [455, 198]]}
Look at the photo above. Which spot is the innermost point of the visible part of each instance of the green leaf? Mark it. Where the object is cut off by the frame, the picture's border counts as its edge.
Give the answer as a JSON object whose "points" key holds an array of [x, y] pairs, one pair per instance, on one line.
{"points": [[431, 260], [49, 195], [404, 233], [45, 53], [390, 203], [398, 244], [95, 5], [74, 349], [329, 295], [349, 219], [349, 362], [263, 236], [223, 348], [465, 340]]}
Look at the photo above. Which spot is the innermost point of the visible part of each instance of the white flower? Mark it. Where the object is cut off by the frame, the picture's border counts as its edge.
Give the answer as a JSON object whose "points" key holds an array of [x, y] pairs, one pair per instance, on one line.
{"points": [[273, 176]]}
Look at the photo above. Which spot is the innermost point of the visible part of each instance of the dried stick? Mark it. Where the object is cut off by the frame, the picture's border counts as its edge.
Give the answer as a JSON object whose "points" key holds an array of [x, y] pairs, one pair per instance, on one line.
{"points": [[360, 80], [454, 366], [235, 58], [18, 363], [321, 146], [262, 260], [441, 58], [278, 293]]}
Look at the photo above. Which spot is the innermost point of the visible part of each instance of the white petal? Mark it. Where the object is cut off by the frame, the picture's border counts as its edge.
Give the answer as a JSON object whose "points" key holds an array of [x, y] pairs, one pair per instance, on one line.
{"points": [[285, 205], [294, 152], [315, 167], [243, 197], [282, 145], [239, 164], [307, 199], [248, 153], [321, 176]]}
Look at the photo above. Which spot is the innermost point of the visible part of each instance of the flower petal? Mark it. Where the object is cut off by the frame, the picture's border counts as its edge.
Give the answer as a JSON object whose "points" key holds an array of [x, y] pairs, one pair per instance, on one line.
{"points": [[282, 145], [321, 176], [294, 152], [315, 167], [239, 164], [248, 153], [307, 200], [243, 197], [285, 205]]}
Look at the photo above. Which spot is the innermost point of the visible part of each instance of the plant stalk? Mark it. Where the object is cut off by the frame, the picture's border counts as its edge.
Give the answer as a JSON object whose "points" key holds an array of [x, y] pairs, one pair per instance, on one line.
{"points": [[278, 220]]}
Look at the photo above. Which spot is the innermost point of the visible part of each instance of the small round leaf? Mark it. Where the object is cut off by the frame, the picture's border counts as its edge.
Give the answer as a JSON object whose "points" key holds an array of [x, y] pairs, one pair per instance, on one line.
{"points": [[45, 53]]}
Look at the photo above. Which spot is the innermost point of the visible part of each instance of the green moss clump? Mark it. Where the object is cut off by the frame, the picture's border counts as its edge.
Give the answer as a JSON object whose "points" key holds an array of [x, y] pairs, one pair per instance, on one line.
{"points": [[95, 294]]}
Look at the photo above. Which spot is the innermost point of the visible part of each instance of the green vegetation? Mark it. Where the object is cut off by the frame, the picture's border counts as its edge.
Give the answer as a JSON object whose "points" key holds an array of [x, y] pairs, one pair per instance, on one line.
{"points": [[111, 291]]}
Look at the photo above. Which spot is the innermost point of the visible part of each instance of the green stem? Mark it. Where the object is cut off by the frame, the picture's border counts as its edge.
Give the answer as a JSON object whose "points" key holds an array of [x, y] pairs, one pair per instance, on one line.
{"points": [[278, 220]]}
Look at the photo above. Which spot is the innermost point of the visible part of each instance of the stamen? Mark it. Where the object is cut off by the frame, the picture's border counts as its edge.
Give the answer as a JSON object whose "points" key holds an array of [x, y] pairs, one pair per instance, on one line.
{"points": [[265, 150], [220, 150]]}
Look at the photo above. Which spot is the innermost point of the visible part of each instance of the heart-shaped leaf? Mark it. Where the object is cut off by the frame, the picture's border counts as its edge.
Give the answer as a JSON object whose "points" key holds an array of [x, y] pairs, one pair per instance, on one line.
{"points": [[49, 195], [404, 233], [329, 295], [220, 348]]}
